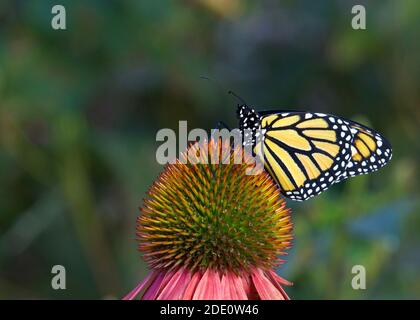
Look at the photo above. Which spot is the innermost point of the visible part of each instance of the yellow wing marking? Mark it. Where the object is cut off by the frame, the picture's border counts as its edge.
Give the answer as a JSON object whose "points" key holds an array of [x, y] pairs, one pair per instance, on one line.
{"points": [[290, 137], [331, 148], [313, 123], [281, 176], [321, 134], [309, 166], [361, 147], [284, 122], [288, 161], [357, 157], [323, 161], [368, 140], [266, 121]]}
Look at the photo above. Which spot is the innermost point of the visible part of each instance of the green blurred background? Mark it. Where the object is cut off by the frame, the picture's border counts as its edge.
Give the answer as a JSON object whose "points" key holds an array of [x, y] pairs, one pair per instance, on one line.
{"points": [[80, 108]]}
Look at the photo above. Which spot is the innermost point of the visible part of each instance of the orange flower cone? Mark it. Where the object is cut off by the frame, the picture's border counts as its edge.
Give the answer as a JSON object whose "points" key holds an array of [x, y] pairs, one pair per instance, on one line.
{"points": [[212, 231]]}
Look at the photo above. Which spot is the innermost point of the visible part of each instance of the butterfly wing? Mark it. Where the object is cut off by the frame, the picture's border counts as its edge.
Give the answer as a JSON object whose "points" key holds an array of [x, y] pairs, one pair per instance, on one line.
{"points": [[370, 151], [304, 152]]}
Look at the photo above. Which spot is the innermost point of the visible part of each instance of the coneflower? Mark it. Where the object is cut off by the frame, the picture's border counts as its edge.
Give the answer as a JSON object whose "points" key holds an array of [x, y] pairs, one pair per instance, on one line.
{"points": [[212, 231]]}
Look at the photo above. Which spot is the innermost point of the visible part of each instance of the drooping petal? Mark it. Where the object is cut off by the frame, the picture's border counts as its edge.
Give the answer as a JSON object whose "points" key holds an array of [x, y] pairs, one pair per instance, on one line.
{"points": [[142, 285], [191, 288], [253, 293], [228, 293], [217, 286], [246, 282], [175, 287], [154, 289], [238, 284], [265, 288], [204, 288], [211, 285], [278, 281], [159, 285]]}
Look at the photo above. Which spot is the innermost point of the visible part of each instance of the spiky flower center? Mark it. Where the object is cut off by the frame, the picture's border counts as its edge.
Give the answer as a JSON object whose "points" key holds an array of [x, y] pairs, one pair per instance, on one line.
{"points": [[214, 215]]}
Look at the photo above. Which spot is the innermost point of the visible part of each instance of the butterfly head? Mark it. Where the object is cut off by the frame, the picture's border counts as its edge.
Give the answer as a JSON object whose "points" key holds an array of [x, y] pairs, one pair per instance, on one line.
{"points": [[249, 121], [248, 118]]}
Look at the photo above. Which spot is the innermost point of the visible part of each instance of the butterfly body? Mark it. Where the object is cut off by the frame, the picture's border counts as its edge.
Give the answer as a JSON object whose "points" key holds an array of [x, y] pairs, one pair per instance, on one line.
{"points": [[307, 152]]}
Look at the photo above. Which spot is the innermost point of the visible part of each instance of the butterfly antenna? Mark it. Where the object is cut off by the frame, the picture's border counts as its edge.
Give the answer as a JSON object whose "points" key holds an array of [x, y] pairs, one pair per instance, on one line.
{"points": [[214, 82], [222, 89], [237, 97]]}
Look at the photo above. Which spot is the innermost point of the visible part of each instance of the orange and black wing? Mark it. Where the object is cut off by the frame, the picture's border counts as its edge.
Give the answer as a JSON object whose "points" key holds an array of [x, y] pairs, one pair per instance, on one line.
{"points": [[370, 151], [304, 152]]}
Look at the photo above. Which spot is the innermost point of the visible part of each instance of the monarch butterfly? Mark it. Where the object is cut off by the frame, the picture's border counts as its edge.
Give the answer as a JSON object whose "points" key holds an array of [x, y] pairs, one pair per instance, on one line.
{"points": [[307, 152]]}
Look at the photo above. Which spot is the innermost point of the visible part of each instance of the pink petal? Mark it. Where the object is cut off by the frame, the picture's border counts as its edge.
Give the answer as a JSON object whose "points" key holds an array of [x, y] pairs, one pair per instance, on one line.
{"points": [[277, 280], [154, 289], [228, 293], [142, 285], [168, 276], [191, 288], [176, 286], [247, 285], [217, 286], [204, 288], [159, 286], [238, 285], [265, 288]]}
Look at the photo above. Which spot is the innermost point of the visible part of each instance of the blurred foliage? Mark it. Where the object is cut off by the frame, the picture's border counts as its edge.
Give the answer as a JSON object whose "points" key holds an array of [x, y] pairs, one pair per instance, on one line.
{"points": [[80, 108]]}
